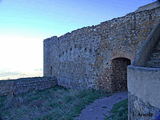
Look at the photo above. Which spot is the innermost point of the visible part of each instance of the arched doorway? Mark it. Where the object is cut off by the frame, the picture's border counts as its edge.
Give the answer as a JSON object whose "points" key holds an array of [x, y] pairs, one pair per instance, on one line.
{"points": [[119, 74], [51, 71]]}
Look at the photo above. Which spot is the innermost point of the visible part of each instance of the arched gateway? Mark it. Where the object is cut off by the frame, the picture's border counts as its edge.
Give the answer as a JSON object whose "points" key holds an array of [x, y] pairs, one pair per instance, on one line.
{"points": [[119, 73]]}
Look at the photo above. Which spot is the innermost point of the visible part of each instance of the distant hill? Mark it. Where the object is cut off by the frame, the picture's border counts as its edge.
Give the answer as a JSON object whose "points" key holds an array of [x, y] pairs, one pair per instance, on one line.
{"points": [[4, 75]]}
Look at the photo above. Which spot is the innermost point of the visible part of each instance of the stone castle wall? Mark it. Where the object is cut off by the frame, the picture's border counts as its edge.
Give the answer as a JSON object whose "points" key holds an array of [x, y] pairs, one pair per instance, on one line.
{"points": [[83, 58], [23, 85]]}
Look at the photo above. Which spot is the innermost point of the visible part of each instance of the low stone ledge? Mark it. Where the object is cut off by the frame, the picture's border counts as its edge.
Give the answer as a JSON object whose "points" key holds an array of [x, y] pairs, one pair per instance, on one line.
{"points": [[23, 85]]}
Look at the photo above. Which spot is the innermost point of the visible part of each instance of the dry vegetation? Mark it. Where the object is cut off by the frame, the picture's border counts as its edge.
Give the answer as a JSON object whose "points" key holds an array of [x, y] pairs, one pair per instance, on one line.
{"points": [[52, 104]]}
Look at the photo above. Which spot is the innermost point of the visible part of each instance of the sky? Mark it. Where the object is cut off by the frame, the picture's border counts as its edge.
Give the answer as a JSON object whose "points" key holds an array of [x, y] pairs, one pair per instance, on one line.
{"points": [[24, 24]]}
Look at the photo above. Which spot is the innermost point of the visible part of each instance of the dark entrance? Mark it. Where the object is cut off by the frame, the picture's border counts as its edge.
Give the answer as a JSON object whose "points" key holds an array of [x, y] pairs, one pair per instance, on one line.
{"points": [[119, 74], [51, 70]]}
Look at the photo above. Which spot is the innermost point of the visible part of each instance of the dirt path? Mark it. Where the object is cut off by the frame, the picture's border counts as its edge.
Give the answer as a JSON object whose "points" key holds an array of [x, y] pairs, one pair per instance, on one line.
{"points": [[101, 107]]}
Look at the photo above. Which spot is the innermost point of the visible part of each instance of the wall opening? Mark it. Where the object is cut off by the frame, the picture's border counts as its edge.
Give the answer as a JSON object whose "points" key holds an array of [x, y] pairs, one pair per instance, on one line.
{"points": [[119, 74], [51, 70]]}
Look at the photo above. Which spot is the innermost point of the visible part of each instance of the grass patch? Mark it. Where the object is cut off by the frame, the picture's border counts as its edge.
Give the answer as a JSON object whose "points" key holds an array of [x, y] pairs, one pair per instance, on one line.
{"points": [[55, 103], [2, 100], [119, 111]]}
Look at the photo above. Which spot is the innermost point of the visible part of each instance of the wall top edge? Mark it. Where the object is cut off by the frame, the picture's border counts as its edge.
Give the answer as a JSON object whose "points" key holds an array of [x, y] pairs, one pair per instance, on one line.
{"points": [[143, 68], [149, 6], [94, 27]]}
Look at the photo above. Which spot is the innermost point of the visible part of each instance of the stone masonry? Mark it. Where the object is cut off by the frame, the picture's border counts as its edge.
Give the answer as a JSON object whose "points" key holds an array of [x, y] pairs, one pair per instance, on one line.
{"points": [[23, 85], [84, 58], [140, 110], [154, 60]]}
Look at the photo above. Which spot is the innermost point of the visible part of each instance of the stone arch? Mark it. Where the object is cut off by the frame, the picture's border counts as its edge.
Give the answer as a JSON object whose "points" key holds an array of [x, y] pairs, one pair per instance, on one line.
{"points": [[119, 73], [122, 54]]}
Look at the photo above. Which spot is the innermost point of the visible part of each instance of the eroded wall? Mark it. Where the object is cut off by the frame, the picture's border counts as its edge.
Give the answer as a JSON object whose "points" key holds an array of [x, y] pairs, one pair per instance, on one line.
{"points": [[23, 85], [82, 58], [144, 95]]}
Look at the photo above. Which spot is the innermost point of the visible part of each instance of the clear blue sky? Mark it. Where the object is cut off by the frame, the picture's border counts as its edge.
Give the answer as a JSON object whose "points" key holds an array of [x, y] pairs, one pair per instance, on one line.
{"points": [[25, 23]]}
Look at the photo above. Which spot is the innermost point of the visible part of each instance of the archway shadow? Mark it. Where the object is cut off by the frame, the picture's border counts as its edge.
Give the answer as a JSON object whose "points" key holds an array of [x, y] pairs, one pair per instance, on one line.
{"points": [[119, 74]]}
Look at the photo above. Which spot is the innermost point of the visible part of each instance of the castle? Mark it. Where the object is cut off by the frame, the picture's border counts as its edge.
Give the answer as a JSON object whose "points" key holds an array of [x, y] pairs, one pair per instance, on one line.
{"points": [[97, 57]]}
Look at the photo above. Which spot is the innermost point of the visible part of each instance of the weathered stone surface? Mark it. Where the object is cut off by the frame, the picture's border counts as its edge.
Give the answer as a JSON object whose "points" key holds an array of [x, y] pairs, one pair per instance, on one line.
{"points": [[97, 57], [139, 110], [154, 59], [14, 87], [149, 6], [144, 95], [144, 83], [83, 58]]}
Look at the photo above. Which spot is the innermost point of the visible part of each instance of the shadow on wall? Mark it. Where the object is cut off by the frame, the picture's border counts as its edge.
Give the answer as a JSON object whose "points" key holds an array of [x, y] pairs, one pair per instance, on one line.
{"points": [[158, 116], [119, 73], [146, 50]]}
